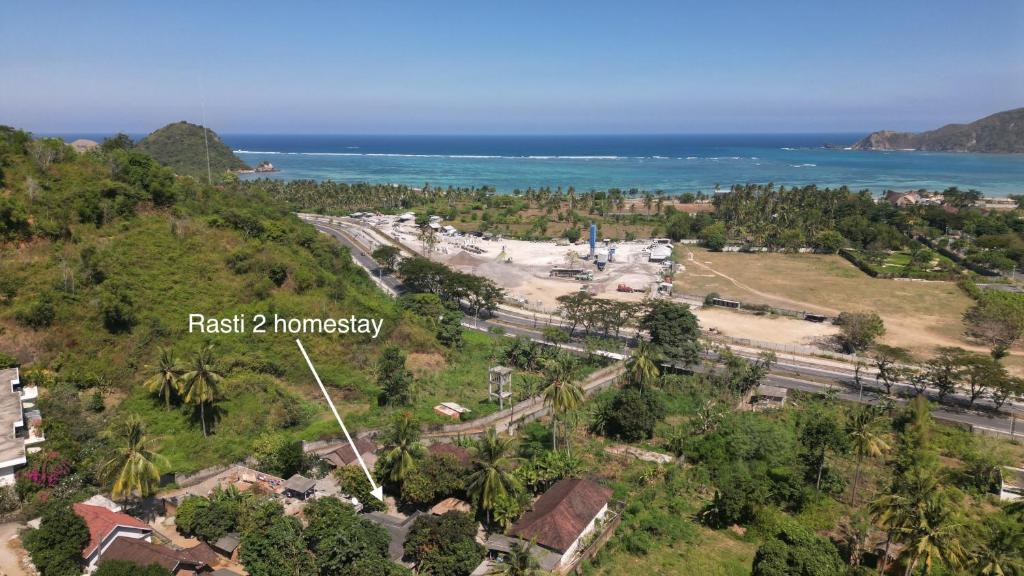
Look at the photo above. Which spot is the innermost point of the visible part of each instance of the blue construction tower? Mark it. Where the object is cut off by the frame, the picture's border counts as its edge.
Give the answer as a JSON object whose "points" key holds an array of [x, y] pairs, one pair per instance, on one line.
{"points": [[593, 239]]}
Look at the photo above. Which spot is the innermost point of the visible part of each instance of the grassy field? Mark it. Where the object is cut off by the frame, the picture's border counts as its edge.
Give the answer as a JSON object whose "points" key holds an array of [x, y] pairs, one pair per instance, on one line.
{"points": [[254, 403], [918, 315], [712, 553]]}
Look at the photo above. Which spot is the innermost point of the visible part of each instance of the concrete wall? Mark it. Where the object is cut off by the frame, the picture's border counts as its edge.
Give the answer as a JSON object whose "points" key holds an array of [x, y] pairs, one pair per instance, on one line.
{"points": [[570, 554]]}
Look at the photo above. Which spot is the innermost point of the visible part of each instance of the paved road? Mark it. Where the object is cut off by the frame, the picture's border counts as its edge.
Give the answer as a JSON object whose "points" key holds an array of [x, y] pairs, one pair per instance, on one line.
{"points": [[787, 373]]}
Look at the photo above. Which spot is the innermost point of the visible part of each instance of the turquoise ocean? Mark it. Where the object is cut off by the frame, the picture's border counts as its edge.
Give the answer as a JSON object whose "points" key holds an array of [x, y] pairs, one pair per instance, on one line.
{"points": [[671, 163]]}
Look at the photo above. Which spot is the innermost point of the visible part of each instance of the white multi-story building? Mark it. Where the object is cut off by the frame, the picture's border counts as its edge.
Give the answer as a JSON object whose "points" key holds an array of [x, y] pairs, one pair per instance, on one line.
{"points": [[20, 424]]}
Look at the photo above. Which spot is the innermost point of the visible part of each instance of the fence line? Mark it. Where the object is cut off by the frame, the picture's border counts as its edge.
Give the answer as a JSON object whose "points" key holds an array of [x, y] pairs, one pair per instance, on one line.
{"points": [[196, 477], [524, 411]]}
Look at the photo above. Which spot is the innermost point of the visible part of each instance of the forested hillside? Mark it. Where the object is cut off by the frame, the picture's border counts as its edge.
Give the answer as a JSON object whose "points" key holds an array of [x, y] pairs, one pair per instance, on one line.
{"points": [[104, 255]]}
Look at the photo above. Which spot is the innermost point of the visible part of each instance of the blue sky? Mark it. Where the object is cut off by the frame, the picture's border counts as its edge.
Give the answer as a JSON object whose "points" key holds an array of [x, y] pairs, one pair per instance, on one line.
{"points": [[509, 67]]}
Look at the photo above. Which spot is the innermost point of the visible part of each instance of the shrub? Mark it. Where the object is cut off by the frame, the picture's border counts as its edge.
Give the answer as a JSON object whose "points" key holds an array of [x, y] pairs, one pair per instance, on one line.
{"points": [[56, 546], [632, 415], [40, 313], [117, 307]]}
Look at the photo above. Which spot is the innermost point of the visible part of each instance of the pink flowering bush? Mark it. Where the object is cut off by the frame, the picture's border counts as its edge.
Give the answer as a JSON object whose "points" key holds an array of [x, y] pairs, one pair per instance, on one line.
{"points": [[44, 470]]}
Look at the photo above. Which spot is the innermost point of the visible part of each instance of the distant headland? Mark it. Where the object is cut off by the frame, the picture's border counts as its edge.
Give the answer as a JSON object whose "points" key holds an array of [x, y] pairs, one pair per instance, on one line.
{"points": [[1002, 132]]}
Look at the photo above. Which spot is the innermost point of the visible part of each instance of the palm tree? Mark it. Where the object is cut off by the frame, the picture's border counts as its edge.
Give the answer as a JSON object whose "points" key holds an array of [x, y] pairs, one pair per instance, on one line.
{"points": [[889, 513], [401, 448], [490, 479], [1001, 552], [866, 440], [134, 469], [935, 537], [641, 367], [201, 383], [165, 380], [562, 393], [518, 562]]}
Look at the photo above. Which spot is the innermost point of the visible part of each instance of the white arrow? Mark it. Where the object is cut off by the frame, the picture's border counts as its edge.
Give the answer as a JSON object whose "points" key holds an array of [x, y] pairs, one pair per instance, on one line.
{"points": [[378, 491]]}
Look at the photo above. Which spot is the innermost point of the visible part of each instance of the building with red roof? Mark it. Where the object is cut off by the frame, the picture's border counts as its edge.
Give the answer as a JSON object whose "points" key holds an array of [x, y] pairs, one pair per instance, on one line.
{"points": [[106, 526]]}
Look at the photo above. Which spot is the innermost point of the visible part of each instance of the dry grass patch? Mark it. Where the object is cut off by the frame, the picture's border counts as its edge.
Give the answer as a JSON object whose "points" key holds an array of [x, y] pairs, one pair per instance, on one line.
{"points": [[918, 315], [422, 364]]}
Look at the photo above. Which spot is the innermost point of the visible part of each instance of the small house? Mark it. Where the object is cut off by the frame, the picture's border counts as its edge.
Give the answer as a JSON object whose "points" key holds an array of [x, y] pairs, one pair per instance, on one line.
{"points": [[143, 553], [901, 199], [227, 545], [1011, 484], [345, 456], [767, 396], [460, 454], [298, 486], [564, 517], [660, 253], [452, 410], [451, 505], [105, 527]]}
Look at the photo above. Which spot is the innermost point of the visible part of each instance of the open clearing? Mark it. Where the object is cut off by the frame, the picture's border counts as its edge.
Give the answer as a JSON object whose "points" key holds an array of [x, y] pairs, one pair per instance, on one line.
{"points": [[918, 315]]}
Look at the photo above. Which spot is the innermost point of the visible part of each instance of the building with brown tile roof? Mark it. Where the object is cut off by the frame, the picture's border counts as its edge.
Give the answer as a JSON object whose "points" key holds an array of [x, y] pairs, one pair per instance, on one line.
{"points": [[460, 454], [344, 456], [143, 553], [564, 515]]}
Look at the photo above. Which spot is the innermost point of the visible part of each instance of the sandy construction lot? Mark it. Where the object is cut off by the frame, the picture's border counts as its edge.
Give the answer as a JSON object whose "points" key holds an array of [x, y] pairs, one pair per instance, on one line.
{"points": [[527, 278]]}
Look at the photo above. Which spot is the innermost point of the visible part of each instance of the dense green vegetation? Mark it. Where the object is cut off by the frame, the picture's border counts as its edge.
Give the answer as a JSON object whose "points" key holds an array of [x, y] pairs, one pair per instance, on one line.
{"points": [[183, 147], [105, 256], [886, 239]]}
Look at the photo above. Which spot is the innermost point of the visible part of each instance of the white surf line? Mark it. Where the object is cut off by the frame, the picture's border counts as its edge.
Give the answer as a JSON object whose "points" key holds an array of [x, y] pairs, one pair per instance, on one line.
{"points": [[377, 491]]}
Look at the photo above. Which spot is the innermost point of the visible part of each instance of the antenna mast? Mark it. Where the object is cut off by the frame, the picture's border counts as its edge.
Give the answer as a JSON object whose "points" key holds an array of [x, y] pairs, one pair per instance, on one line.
{"points": [[206, 139]]}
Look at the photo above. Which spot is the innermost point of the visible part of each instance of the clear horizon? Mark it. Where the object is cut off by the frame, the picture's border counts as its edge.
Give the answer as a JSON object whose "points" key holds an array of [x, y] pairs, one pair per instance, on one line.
{"points": [[533, 68]]}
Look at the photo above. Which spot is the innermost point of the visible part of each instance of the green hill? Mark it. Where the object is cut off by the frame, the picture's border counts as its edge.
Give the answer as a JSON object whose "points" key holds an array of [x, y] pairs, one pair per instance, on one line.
{"points": [[104, 256], [181, 147], [1002, 132]]}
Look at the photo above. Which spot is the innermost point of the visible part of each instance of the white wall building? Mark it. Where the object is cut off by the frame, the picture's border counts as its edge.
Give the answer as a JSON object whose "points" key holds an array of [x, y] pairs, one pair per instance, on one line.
{"points": [[20, 429]]}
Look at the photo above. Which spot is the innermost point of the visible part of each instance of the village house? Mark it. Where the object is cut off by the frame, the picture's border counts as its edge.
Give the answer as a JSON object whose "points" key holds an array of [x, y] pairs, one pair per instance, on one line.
{"points": [[105, 527], [21, 424], [563, 518], [228, 545], [460, 454], [143, 553], [902, 199], [298, 486], [451, 505], [345, 456], [1011, 484], [452, 410], [766, 397]]}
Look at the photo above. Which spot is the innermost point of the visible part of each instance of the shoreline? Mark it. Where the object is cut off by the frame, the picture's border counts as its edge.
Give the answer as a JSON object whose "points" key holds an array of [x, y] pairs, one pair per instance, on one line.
{"points": [[638, 196]]}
